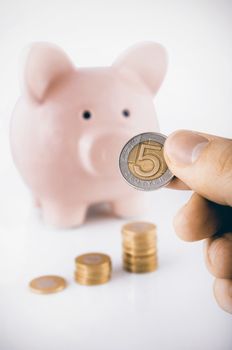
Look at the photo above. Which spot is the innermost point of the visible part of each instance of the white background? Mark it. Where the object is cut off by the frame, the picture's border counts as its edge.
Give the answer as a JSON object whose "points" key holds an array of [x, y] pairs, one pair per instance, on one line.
{"points": [[173, 308]]}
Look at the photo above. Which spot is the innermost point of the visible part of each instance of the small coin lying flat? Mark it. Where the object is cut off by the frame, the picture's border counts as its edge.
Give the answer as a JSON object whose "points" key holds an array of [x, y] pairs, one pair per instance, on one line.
{"points": [[142, 162], [47, 284]]}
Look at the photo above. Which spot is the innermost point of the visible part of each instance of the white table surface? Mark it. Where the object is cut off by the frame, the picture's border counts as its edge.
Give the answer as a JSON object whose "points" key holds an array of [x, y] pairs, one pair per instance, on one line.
{"points": [[173, 308]]}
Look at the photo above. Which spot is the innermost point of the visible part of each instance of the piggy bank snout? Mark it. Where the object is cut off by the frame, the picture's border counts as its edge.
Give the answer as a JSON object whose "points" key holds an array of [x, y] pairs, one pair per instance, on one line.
{"points": [[100, 155]]}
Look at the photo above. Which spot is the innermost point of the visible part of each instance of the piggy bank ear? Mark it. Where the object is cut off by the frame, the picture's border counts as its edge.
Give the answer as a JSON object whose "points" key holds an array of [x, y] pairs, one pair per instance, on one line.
{"points": [[44, 65], [148, 61]]}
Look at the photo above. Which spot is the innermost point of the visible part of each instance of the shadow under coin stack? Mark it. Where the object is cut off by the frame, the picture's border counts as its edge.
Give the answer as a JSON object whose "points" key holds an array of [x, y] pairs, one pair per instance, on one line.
{"points": [[93, 268], [139, 247]]}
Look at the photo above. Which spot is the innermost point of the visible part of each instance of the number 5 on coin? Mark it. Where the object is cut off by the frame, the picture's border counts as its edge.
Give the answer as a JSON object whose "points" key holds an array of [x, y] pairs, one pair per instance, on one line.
{"points": [[147, 163]]}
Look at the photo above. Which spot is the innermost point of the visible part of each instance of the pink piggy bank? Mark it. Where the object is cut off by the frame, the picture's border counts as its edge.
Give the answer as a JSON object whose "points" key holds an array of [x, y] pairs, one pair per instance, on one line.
{"points": [[70, 124]]}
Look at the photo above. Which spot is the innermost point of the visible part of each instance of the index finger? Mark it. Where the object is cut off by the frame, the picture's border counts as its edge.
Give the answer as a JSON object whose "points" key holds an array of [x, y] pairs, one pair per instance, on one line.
{"points": [[177, 184]]}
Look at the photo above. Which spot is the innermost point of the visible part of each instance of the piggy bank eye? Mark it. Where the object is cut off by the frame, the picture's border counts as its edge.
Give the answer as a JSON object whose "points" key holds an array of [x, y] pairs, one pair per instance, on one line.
{"points": [[86, 115], [126, 113]]}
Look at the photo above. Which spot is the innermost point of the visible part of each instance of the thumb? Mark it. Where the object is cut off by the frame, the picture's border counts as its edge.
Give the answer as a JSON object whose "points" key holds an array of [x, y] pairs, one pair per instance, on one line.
{"points": [[203, 162]]}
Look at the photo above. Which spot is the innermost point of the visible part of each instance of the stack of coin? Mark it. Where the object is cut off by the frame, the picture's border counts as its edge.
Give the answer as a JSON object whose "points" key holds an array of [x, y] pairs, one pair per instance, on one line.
{"points": [[92, 269], [139, 247]]}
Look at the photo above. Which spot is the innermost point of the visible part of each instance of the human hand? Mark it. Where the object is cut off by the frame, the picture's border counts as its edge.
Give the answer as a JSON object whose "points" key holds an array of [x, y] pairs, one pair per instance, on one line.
{"points": [[203, 163]]}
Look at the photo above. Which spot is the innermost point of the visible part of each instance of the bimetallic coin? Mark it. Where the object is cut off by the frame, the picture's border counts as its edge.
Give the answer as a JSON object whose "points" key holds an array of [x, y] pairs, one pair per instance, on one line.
{"points": [[92, 259], [142, 162], [47, 284]]}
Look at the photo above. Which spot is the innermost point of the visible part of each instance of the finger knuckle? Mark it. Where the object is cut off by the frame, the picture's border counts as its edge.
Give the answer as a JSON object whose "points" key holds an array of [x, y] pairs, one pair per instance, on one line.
{"points": [[221, 258], [224, 164]]}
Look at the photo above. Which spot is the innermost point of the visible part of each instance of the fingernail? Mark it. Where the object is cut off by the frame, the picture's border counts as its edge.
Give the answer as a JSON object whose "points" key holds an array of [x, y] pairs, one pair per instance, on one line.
{"points": [[184, 147]]}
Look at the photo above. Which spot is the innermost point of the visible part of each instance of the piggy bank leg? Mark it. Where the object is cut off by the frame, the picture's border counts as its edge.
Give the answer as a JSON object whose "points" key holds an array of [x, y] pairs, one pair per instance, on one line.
{"points": [[129, 206], [62, 216], [36, 202]]}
